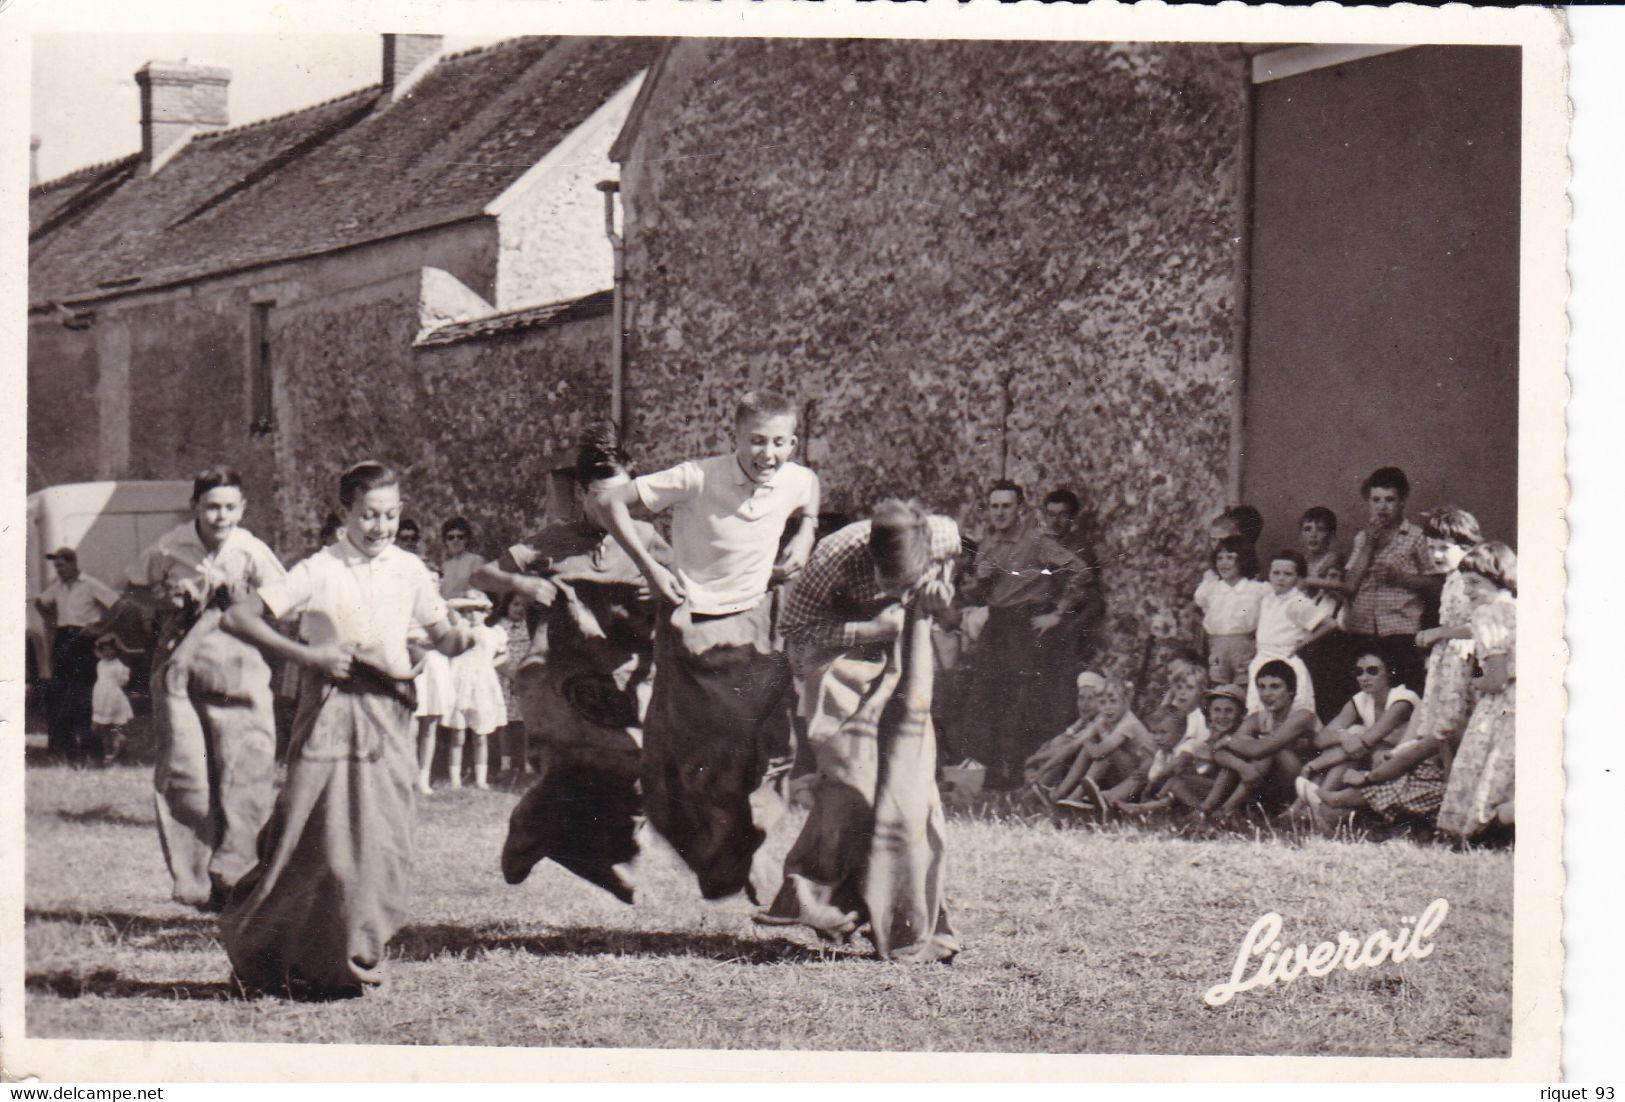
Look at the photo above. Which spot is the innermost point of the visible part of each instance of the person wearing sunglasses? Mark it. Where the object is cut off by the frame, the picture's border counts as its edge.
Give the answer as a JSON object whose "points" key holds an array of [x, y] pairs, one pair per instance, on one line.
{"points": [[408, 537], [457, 537], [1376, 717]]}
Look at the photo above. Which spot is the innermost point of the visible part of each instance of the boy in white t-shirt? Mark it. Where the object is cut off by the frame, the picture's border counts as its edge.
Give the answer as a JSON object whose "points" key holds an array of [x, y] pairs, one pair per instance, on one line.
{"points": [[716, 715]]}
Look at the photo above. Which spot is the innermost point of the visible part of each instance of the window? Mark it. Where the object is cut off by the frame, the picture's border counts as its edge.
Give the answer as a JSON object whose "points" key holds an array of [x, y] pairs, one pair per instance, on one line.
{"points": [[259, 369]]}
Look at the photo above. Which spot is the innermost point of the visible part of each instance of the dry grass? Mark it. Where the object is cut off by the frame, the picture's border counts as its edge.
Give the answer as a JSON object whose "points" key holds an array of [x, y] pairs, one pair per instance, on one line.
{"points": [[1087, 940]]}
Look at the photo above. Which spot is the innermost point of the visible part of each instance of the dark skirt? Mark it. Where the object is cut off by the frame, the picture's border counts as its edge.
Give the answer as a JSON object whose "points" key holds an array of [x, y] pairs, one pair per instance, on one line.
{"points": [[716, 721]]}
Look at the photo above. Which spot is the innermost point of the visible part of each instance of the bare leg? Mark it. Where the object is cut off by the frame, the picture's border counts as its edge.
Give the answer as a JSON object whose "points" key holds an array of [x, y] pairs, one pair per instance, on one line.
{"points": [[427, 728]]}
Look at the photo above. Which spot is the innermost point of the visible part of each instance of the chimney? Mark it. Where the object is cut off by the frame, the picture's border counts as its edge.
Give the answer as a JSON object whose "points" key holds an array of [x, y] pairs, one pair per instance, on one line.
{"points": [[177, 100], [33, 159], [406, 56]]}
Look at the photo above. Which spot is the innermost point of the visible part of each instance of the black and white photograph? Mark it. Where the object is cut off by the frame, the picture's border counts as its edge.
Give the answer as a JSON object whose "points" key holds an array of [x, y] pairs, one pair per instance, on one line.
{"points": [[611, 532]]}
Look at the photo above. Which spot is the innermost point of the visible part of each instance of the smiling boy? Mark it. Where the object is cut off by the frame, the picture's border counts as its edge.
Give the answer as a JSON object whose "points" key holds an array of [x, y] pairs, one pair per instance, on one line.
{"points": [[715, 714]]}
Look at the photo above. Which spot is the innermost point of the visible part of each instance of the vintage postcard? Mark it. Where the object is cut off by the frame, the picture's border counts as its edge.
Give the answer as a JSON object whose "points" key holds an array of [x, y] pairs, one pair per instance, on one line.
{"points": [[626, 539]]}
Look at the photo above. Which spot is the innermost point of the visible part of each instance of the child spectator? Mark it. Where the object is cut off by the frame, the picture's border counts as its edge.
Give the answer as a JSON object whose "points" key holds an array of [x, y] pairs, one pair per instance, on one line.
{"points": [[1049, 763], [1265, 743], [109, 708], [456, 536], [436, 696], [1288, 620], [314, 916], [1480, 790], [480, 707], [1448, 700], [1190, 774], [1115, 752], [517, 627], [1316, 532], [1229, 598], [1376, 716]]}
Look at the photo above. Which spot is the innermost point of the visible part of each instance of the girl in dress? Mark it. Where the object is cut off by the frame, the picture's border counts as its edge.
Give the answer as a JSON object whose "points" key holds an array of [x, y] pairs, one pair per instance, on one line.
{"points": [[436, 696], [1448, 700], [1481, 778], [1229, 597], [517, 627], [109, 708], [480, 707], [314, 916], [1375, 717]]}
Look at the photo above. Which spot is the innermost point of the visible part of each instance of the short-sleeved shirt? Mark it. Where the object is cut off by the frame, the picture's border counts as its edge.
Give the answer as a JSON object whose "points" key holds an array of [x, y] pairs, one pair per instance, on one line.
{"points": [[1365, 705], [1230, 608], [1384, 608], [839, 588], [78, 603], [725, 526], [342, 596], [1285, 620], [178, 564]]}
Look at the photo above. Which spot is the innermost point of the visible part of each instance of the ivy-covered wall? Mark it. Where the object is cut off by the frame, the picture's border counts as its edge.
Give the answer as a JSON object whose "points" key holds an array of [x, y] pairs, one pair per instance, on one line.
{"points": [[963, 257], [468, 424]]}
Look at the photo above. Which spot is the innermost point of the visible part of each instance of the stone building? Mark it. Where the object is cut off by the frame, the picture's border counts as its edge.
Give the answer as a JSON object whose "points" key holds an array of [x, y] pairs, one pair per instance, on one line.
{"points": [[1170, 276], [418, 270]]}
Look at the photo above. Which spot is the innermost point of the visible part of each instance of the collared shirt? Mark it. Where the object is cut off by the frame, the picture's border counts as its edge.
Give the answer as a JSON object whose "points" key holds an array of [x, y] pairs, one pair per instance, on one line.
{"points": [[1285, 620], [1230, 608], [838, 587], [179, 565], [1029, 568], [726, 527], [1386, 608], [78, 603], [342, 596]]}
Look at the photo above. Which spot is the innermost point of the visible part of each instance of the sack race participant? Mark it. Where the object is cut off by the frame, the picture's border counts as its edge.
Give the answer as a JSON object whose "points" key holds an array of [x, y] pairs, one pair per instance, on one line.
{"points": [[211, 694], [858, 623], [330, 889], [584, 685], [716, 714]]}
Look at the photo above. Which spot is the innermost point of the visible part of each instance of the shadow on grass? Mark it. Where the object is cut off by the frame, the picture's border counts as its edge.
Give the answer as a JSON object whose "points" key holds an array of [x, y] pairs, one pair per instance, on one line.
{"points": [[442, 939], [170, 932], [106, 814], [108, 984]]}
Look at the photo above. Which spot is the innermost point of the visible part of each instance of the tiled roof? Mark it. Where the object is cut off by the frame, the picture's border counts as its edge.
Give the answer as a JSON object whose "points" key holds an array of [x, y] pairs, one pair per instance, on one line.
{"points": [[337, 174], [595, 305]]}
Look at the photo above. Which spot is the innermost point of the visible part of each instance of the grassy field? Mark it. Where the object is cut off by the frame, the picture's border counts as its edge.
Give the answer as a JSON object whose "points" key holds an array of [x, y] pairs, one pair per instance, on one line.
{"points": [[1075, 941]]}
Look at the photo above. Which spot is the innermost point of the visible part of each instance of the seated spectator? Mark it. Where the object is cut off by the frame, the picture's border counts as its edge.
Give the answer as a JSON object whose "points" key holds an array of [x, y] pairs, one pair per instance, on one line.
{"points": [[1188, 776], [1049, 763], [1266, 743], [1376, 716], [1115, 751]]}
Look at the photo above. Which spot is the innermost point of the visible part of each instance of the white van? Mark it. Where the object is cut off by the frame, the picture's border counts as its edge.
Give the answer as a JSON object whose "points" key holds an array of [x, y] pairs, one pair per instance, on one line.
{"points": [[108, 524]]}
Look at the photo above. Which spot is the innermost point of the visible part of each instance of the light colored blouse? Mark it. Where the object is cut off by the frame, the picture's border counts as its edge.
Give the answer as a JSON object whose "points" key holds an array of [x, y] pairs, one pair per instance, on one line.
{"points": [[1230, 608]]}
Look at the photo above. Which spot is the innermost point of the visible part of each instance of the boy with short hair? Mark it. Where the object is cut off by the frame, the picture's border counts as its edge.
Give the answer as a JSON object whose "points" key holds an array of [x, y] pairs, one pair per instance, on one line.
{"points": [[716, 711]]}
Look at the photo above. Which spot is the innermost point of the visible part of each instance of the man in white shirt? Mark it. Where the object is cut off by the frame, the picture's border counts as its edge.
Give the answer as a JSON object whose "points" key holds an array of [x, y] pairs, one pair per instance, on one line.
{"points": [[73, 605]]}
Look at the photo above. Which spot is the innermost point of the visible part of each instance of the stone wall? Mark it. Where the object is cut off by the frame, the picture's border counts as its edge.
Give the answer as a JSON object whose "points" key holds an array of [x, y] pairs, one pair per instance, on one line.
{"points": [[961, 257]]}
